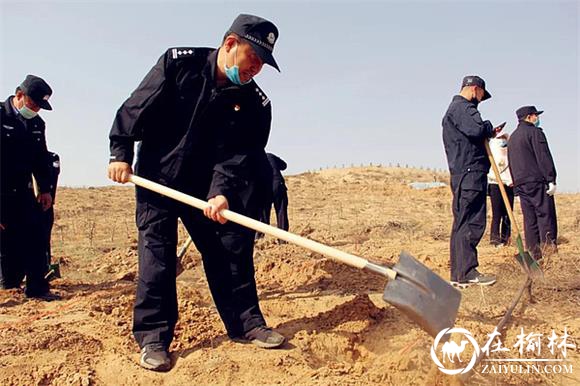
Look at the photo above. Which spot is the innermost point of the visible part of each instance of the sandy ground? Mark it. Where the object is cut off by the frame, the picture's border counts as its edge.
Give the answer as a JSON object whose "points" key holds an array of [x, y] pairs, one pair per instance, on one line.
{"points": [[339, 330]]}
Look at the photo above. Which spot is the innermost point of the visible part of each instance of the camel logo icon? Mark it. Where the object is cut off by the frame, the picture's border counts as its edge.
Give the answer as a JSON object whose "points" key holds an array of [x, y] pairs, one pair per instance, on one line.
{"points": [[451, 351]]}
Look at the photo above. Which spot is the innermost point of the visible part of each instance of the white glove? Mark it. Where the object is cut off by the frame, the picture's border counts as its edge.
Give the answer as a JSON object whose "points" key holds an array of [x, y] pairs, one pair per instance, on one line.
{"points": [[551, 189]]}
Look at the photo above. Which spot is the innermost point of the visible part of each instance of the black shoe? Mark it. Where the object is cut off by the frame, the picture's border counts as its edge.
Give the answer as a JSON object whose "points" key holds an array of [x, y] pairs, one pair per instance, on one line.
{"points": [[474, 278], [46, 296], [155, 357], [264, 337]]}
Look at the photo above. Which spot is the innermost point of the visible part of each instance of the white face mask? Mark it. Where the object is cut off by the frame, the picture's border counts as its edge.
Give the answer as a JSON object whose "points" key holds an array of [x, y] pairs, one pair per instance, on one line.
{"points": [[26, 112]]}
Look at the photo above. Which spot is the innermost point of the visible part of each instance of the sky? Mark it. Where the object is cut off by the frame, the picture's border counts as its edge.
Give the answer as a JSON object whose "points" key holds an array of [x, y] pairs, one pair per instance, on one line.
{"points": [[361, 82]]}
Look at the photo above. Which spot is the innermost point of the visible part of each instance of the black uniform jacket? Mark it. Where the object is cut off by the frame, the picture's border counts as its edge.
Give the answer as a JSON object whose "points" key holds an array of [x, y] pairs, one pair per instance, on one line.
{"points": [[54, 171], [193, 136], [23, 153], [464, 133], [529, 156]]}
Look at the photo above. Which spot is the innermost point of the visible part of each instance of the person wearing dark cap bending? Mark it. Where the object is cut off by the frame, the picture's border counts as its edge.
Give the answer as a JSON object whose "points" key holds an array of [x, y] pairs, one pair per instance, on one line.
{"points": [[47, 217], [202, 123], [464, 133], [279, 195], [24, 155], [534, 176]]}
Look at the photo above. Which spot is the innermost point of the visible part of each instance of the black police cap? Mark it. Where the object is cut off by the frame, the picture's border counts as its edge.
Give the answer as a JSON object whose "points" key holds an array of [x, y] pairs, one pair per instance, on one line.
{"points": [[474, 80], [37, 90], [524, 111], [260, 33]]}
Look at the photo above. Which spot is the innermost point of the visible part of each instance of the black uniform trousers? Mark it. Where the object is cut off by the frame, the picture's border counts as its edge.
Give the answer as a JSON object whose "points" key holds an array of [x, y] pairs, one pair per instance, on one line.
{"points": [[227, 254], [539, 210], [21, 249], [500, 221], [280, 201], [469, 217]]}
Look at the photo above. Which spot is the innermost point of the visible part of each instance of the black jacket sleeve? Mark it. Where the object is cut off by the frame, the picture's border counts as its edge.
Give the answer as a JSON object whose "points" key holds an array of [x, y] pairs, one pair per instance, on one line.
{"points": [[471, 124], [228, 176], [129, 122], [237, 171], [543, 156]]}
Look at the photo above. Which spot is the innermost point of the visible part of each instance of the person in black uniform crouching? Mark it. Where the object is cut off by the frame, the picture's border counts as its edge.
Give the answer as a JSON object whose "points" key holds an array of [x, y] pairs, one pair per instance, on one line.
{"points": [[464, 133], [202, 123], [24, 155], [534, 176], [47, 217], [279, 195]]}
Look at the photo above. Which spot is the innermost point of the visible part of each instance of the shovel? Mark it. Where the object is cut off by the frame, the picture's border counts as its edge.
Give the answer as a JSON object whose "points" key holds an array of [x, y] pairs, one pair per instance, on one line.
{"points": [[528, 263], [426, 298]]}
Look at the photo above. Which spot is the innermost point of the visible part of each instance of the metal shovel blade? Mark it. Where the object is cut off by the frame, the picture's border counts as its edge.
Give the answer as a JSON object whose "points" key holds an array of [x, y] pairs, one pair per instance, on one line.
{"points": [[426, 298], [530, 265]]}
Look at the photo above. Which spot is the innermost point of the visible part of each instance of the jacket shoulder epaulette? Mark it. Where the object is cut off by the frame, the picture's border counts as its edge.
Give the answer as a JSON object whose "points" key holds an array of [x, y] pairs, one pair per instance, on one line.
{"points": [[181, 52], [260, 95]]}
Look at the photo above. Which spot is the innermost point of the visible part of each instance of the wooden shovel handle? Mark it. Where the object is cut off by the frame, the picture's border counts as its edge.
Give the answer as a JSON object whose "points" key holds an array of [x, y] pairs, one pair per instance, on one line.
{"points": [[35, 187], [340, 256], [184, 248], [501, 187]]}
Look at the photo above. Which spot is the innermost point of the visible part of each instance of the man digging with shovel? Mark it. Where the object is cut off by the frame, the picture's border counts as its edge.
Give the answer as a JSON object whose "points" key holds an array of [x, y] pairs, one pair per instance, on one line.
{"points": [[202, 123]]}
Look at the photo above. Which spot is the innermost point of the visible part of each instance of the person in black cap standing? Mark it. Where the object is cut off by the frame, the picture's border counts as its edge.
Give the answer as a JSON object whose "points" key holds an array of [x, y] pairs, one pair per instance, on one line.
{"points": [[464, 133], [23, 155], [534, 176], [279, 195], [202, 123]]}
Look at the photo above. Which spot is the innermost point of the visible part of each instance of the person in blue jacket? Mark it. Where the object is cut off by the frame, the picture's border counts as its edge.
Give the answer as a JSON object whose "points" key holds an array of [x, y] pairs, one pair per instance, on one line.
{"points": [[464, 133], [279, 197]]}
